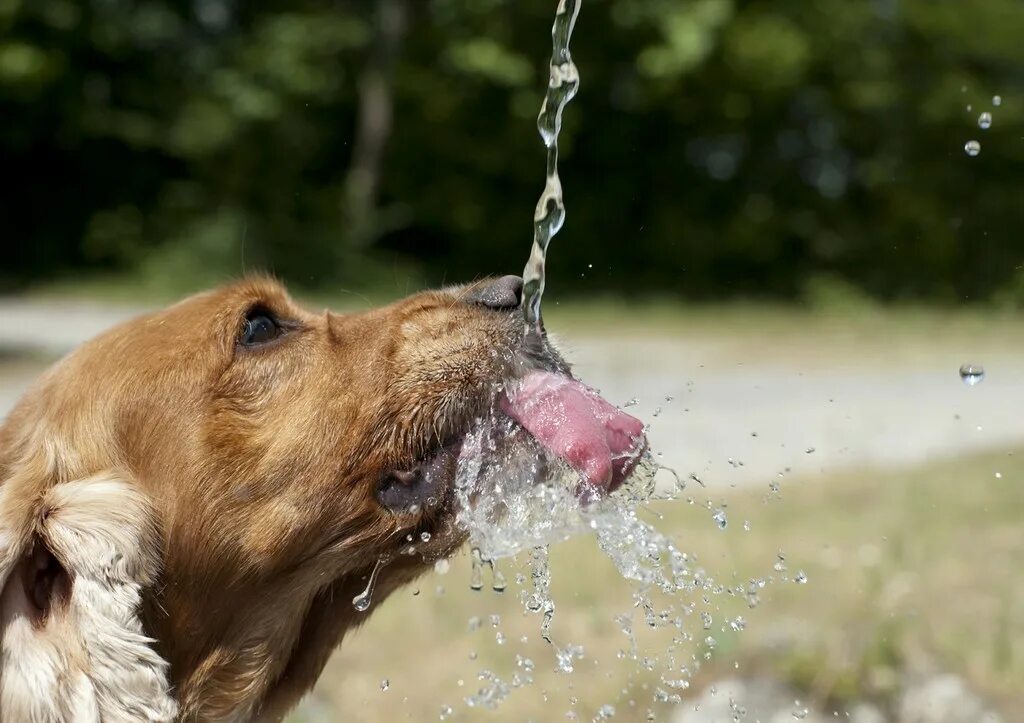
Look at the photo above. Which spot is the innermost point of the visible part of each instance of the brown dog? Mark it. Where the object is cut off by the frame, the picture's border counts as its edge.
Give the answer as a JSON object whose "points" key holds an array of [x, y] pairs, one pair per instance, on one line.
{"points": [[190, 502]]}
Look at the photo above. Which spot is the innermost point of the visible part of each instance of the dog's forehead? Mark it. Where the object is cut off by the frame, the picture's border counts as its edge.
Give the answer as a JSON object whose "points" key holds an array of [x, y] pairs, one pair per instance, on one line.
{"points": [[218, 312], [241, 295]]}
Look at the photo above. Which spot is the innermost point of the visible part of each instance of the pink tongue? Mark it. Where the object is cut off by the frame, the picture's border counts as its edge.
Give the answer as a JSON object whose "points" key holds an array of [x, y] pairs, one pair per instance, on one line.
{"points": [[573, 422]]}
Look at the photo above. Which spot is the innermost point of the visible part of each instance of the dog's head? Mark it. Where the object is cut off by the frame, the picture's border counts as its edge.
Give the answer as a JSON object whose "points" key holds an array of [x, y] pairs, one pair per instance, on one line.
{"points": [[222, 477]]}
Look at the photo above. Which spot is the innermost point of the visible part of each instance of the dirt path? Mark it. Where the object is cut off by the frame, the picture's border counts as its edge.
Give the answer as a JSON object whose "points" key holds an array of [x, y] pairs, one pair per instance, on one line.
{"points": [[737, 416], [747, 421]]}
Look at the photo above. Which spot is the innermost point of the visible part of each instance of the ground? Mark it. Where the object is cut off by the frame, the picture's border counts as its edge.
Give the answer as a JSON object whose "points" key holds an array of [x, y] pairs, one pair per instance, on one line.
{"points": [[899, 497]]}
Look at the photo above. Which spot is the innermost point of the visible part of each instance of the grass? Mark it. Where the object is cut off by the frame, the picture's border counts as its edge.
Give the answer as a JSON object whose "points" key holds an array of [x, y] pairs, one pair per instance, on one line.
{"points": [[906, 570]]}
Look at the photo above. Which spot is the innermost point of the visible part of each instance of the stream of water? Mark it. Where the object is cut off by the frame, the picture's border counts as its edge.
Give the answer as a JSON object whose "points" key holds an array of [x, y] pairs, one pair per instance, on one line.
{"points": [[514, 500], [508, 514], [563, 82]]}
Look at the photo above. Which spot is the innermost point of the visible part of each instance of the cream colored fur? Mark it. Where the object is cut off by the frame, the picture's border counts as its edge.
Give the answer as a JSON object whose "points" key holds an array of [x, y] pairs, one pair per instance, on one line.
{"points": [[89, 659]]}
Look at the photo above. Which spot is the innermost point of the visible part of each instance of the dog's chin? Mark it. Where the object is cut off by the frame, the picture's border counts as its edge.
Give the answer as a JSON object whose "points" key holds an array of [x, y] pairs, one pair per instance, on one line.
{"points": [[425, 487]]}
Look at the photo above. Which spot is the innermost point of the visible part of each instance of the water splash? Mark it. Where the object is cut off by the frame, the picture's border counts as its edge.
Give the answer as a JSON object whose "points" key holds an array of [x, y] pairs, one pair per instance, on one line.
{"points": [[539, 600], [720, 518], [512, 499], [563, 82]]}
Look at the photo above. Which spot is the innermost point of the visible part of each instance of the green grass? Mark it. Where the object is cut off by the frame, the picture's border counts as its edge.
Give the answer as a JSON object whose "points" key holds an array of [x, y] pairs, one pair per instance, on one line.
{"points": [[905, 569]]}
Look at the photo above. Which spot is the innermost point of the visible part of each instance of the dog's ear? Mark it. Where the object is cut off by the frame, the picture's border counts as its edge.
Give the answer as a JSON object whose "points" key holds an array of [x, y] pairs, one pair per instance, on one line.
{"points": [[75, 558]]}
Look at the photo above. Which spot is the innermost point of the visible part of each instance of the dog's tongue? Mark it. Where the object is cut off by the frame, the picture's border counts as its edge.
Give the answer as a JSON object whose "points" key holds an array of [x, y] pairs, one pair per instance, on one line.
{"points": [[573, 422]]}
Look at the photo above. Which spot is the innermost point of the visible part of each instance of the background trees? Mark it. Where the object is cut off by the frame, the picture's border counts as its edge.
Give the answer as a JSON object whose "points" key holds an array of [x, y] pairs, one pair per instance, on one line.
{"points": [[717, 147]]}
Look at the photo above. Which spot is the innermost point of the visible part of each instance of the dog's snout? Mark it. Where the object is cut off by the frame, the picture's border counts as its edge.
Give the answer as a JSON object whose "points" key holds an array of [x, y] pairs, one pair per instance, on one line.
{"points": [[501, 294]]}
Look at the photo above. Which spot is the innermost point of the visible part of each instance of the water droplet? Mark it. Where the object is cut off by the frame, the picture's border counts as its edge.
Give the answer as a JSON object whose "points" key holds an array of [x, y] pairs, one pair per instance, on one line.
{"points": [[738, 624], [800, 712], [997, 100], [810, 450], [972, 148], [801, 578], [499, 637], [605, 712], [446, 711], [442, 566], [425, 536], [780, 563], [999, 475], [566, 656], [985, 121], [476, 573], [498, 584], [361, 602], [746, 525], [720, 519], [385, 684], [631, 403], [972, 374]]}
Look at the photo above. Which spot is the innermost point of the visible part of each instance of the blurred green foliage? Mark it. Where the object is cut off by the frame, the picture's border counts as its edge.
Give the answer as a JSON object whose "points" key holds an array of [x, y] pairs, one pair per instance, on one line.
{"points": [[717, 148]]}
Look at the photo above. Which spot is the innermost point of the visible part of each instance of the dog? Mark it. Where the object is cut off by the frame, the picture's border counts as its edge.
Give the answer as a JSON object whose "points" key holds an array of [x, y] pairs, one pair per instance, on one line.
{"points": [[190, 503]]}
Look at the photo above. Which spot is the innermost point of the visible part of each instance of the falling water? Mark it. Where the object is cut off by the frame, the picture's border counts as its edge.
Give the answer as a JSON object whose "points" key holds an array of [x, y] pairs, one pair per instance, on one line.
{"points": [[513, 499], [361, 602], [563, 82]]}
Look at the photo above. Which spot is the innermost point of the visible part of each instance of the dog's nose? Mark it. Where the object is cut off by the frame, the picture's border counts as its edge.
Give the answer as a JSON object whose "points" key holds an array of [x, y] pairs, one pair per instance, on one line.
{"points": [[501, 294]]}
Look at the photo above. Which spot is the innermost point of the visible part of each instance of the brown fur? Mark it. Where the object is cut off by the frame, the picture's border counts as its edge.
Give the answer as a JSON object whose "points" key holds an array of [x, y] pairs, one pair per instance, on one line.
{"points": [[260, 466]]}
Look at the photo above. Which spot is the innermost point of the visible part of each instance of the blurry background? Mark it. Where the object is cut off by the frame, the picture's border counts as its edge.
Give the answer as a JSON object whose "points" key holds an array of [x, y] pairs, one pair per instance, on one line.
{"points": [[776, 242], [781, 149]]}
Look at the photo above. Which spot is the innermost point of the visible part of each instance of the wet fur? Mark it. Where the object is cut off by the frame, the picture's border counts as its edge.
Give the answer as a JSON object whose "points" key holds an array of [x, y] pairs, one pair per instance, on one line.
{"points": [[213, 507]]}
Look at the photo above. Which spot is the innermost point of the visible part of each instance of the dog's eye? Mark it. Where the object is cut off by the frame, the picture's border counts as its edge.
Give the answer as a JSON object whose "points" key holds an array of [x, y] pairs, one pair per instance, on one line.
{"points": [[258, 328]]}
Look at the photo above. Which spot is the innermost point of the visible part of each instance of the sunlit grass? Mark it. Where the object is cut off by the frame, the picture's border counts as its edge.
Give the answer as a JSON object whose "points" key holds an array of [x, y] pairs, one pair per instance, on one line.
{"points": [[904, 569]]}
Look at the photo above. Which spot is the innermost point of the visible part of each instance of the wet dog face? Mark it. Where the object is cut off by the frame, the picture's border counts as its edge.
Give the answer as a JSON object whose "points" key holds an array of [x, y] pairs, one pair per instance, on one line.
{"points": [[284, 452], [325, 435], [304, 447], [273, 456]]}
